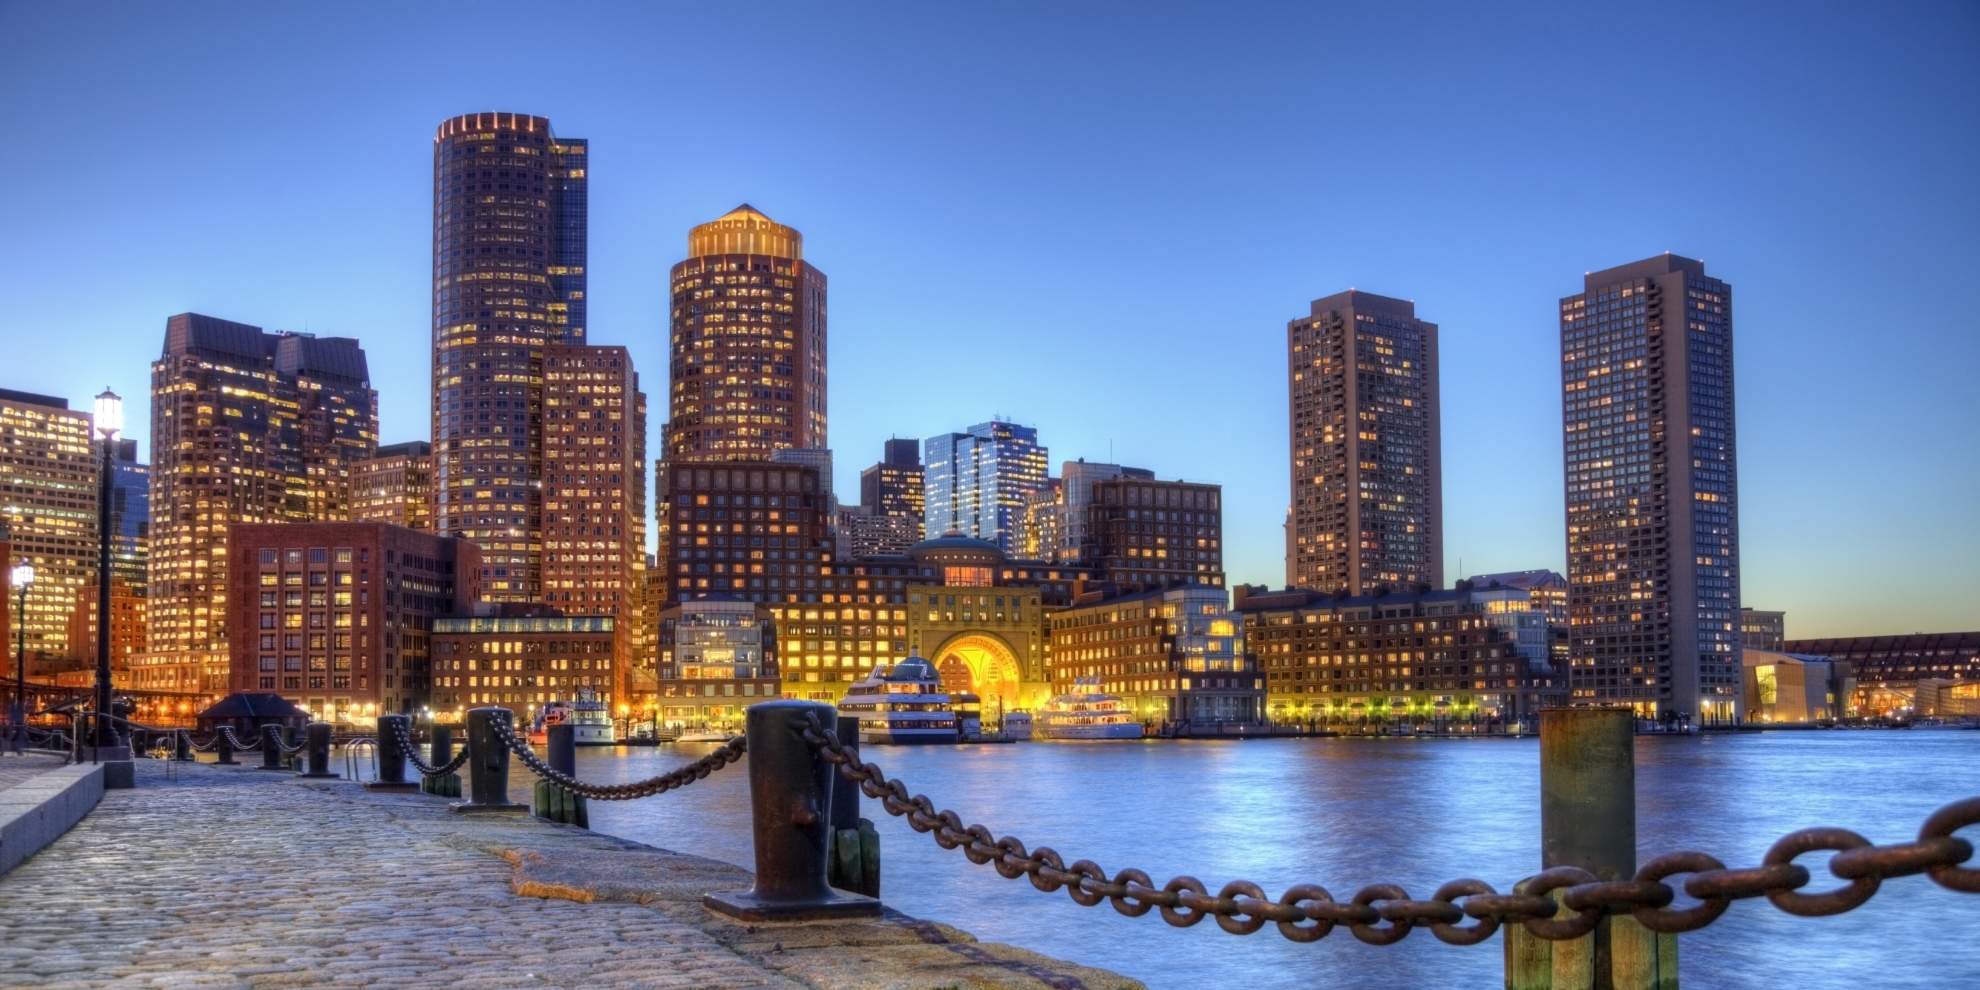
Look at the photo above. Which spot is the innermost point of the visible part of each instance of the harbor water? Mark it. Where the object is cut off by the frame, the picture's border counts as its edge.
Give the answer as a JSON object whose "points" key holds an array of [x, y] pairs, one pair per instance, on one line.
{"points": [[1346, 813]]}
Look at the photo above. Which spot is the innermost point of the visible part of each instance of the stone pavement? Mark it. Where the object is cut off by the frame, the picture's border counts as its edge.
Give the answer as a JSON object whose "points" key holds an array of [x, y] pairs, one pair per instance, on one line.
{"points": [[14, 769], [235, 877]]}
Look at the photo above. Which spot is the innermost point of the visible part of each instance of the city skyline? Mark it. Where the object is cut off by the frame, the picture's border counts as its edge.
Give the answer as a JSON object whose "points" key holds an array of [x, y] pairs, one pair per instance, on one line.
{"points": [[1501, 415]]}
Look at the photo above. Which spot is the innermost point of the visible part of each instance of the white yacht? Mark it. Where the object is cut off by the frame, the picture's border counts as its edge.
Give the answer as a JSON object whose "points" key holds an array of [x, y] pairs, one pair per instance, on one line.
{"points": [[1086, 714], [902, 705], [589, 717]]}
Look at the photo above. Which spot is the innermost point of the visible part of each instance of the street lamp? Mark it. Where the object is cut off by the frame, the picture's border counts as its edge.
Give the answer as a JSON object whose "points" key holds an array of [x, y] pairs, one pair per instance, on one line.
{"points": [[109, 420], [22, 575]]}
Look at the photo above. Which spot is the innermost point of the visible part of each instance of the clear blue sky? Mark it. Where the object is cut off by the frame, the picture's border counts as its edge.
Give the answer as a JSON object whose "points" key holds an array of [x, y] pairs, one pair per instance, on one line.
{"points": [[1098, 222]]}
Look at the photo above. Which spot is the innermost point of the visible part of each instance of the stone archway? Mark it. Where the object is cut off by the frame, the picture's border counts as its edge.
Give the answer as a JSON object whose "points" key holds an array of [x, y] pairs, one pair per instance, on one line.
{"points": [[983, 664]]}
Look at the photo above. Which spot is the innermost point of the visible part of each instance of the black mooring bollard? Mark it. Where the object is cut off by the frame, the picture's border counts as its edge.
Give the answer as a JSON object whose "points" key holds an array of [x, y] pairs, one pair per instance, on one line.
{"points": [[488, 764], [553, 802], [182, 746], [271, 747], [316, 747], [790, 796], [223, 749], [855, 849], [391, 757]]}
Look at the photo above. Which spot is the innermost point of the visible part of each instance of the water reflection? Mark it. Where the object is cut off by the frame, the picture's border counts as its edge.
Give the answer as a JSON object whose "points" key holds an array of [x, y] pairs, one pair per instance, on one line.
{"points": [[1346, 813]]}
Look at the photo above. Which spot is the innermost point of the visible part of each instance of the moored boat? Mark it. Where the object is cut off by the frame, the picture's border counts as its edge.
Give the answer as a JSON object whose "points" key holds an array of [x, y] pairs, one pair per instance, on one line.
{"points": [[590, 720], [1085, 713], [902, 704]]}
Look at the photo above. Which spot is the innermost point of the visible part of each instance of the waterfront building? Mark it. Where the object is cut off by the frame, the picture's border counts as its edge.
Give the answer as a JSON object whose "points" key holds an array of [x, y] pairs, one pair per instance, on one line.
{"points": [[1170, 654], [865, 532], [1142, 533], [1513, 612], [897, 485], [1547, 590], [1793, 688], [1890, 673], [246, 427], [1367, 448], [594, 492], [1652, 490], [49, 466], [1762, 630], [747, 343], [717, 656], [395, 487], [979, 481], [509, 243], [521, 657], [1419, 654], [339, 617]]}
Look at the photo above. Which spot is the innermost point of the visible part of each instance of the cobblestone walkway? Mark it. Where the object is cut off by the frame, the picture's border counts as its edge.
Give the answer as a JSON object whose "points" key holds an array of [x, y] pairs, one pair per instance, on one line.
{"points": [[234, 877], [14, 769]]}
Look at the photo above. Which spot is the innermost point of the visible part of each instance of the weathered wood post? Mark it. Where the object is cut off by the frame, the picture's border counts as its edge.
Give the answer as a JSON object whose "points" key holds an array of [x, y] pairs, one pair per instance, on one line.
{"points": [[442, 752], [488, 764], [855, 851], [790, 796], [553, 802]]}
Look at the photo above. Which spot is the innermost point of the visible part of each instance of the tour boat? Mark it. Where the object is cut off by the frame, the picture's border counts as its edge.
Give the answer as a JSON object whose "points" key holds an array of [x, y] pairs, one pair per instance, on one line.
{"points": [[1017, 726], [1087, 714], [590, 718], [902, 704]]}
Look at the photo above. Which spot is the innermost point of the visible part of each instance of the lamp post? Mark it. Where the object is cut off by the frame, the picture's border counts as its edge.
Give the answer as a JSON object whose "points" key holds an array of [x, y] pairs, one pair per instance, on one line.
{"points": [[109, 420], [22, 575]]}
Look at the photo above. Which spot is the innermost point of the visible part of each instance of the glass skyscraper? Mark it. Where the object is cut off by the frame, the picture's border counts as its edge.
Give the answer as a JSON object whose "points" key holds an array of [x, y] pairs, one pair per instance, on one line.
{"points": [[1652, 490], [979, 481]]}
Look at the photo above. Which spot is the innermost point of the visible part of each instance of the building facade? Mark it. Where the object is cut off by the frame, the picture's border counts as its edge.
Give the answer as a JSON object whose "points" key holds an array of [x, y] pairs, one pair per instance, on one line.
{"points": [[1899, 673], [897, 485], [246, 427], [1418, 655], [395, 487], [748, 343], [978, 482], [521, 658], [1762, 630], [1141, 533], [1173, 655], [339, 617], [863, 532], [1367, 447], [1652, 490], [49, 466], [717, 657], [508, 207]]}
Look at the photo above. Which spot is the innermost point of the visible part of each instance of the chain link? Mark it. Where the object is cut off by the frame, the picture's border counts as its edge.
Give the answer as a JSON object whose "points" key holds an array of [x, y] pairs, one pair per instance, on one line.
{"points": [[1382, 914], [234, 741], [412, 755], [729, 752]]}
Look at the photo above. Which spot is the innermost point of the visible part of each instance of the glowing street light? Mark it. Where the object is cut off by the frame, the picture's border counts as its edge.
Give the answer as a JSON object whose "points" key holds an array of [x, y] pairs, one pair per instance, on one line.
{"points": [[109, 416]]}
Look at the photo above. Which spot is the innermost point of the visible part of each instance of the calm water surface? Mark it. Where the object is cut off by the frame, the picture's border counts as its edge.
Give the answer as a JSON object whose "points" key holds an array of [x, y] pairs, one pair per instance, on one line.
{"points": [[1346, 813]]}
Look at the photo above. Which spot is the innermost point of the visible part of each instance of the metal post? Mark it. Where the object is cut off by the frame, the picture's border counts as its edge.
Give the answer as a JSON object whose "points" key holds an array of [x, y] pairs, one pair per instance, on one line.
{"points": [[271, 747], [181, 744], [106, 482], [19, 715], [790, 794], [317, 748], [223, 748], [488, 763], [391, 758]]}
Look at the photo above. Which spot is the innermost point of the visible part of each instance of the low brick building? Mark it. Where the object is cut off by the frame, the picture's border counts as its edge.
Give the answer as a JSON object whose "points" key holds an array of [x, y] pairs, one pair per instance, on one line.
{"points": [[520, 658]]}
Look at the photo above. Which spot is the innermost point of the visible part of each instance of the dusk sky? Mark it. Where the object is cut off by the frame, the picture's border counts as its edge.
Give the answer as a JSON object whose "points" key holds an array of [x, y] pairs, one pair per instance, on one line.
{"points": [[1097, 222]]}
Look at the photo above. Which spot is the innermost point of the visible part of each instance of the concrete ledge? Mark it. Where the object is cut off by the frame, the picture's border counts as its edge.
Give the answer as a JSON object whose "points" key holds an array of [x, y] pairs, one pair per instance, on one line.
{"points": [[36, 812]]}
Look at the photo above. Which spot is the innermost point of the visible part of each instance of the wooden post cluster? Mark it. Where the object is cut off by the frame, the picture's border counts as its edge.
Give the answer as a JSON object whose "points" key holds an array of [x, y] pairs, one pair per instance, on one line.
{"points": [[552, 801]]}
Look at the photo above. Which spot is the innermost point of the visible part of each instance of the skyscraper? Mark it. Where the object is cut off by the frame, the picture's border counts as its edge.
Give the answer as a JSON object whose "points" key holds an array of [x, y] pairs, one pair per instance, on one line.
{"points": [[130, 517], [748, 344], [1367, 448], [395, 487], [1652, 490], [897, 485], [246, 426], [979, 482], [509, 232], [48, 479]]}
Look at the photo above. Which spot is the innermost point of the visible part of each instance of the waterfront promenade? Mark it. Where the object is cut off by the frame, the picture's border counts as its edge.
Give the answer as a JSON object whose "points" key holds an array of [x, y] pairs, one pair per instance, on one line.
{"points": [[210, 876]]}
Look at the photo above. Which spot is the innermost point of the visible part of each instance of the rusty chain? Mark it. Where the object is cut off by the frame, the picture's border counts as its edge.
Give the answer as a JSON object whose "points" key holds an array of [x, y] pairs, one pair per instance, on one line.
{"points": [[426, 769], [1382, 914], [729, 752]]}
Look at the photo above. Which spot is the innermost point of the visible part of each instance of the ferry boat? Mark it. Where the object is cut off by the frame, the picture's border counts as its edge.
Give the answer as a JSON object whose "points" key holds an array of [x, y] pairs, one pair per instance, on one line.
{"points": [[590, 717], [1086, 714], [902, 705], [1017, 726]]}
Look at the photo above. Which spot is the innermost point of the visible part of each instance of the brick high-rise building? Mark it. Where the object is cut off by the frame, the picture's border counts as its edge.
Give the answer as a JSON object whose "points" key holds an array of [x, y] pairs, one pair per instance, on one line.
{"points": [[1367, 449], [395, 487], [509, 234], [246, 427], [1143, 534], [48, 484], [748, 345], [1652, 490]]}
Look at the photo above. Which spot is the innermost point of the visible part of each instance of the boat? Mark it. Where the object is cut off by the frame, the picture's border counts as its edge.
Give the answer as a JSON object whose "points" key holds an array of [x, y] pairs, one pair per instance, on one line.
{"points": [[1017, 726], [1086, 714], [705, 735], [591, 719], [902, 704]]}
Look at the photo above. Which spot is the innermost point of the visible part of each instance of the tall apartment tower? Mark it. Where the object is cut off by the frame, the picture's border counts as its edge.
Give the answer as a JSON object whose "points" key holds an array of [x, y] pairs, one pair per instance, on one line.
{"points": [[1367, 448], [897, 485], [1652, 490], [395, 487], [246, 426], [48, 485], [980, 482], [748, 343], [508, 280]]}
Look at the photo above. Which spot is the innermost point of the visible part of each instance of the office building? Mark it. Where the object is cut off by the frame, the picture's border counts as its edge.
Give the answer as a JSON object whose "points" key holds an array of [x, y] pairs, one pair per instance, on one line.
{"points": [[1367, 448], [863, 532], [509, 234], [1762, 630], [717, 657], [127, 632], [978, 482], [339, 617], [1415, 655], [130, 517], [1652, 491], [896, 485], [395, 487], [748, 343], [1036, 531], [521, 657], [49, 465], [1173, 654], [1141, 533], [246, 427]]}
